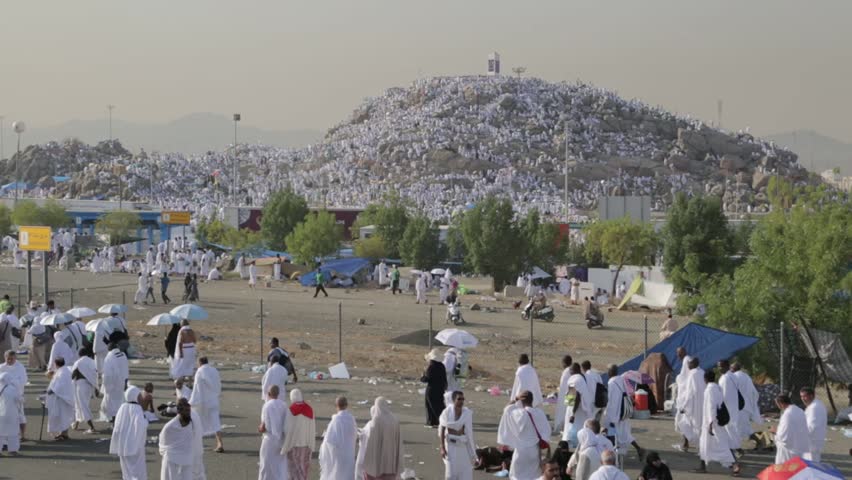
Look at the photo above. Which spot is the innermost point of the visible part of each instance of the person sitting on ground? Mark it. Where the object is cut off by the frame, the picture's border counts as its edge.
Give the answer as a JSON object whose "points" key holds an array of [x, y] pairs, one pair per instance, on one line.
{"points": [[844, 415], [655, 469], [146, 401]]}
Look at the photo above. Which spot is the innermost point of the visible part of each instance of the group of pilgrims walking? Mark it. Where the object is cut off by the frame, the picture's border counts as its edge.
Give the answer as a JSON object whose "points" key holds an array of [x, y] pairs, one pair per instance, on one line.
{"points": [[592, 417]]}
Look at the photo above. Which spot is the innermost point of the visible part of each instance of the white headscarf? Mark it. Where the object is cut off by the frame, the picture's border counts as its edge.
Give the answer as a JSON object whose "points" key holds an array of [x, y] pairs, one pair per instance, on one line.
{"points": [[383, 453]]}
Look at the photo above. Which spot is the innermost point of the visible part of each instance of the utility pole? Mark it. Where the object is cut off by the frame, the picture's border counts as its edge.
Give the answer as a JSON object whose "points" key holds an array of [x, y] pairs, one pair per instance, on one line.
{"points": [[566, 171], [19, 128], [519, 71], [237, 118], [110, 109], [719, 113]]}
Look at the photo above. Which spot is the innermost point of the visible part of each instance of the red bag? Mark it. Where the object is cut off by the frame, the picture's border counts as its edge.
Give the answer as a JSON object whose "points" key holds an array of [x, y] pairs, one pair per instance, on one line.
{"points": [[542, 443]]}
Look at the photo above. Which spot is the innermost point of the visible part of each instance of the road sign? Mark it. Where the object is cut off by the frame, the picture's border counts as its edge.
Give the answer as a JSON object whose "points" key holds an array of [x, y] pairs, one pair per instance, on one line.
{"points": [[175, 218], [34, 239]]}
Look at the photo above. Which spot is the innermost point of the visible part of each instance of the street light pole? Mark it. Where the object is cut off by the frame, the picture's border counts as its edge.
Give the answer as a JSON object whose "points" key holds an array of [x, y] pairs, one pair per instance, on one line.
{"points": [[566, 171], [236, 167], [19, 128], [110, 109]]}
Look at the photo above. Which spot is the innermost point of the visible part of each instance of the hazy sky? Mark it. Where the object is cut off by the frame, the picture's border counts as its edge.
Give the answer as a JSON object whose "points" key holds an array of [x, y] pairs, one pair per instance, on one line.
{"points": [[778, 65]]}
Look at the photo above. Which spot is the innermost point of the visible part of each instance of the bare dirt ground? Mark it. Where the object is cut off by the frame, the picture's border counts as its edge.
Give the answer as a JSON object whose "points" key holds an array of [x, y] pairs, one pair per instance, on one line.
{"points": [[387, 348]]}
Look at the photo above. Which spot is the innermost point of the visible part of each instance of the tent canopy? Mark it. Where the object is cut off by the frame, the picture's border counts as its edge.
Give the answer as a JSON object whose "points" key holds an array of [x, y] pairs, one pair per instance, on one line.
{"points": [[344, 267], [538, 273], [708, 344]]}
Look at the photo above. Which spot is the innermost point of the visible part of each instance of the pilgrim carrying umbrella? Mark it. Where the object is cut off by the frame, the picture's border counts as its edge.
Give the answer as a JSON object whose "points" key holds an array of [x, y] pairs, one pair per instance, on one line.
{"points": [[189, 311]]}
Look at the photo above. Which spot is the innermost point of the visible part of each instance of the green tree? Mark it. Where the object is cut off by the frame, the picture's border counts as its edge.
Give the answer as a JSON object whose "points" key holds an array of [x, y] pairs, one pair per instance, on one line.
{"points": [[5, 220], [493, 241], [367, 217], [543, 247], [212, 231], [697, 242], [799, 269], [455, 240], [316, 237], [118, 226], [622, 242], [391, 220], [372, 247], [419, 246], [282, 212], [51, 214]]}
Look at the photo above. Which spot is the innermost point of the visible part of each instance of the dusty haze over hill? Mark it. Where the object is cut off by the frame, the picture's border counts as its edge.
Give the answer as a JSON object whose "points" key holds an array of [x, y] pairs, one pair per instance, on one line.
{"points": [[778, 65]]}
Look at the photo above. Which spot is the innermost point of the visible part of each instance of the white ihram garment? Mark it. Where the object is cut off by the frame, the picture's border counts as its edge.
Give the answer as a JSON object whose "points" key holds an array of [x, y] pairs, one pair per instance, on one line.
{"points": [[523, 437], [206, 389], [60, 401], [461, 452], [526, 378], [116, 373], [817, 420], [129, 436], [84, 388], [337, 452], [273, 464], [715, 446]]}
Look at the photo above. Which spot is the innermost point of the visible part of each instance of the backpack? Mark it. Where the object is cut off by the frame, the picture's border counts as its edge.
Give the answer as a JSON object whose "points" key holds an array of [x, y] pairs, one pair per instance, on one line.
{"points": [[461, 369], [626, 410], [722, 415], [740, 400], [601, 395]]}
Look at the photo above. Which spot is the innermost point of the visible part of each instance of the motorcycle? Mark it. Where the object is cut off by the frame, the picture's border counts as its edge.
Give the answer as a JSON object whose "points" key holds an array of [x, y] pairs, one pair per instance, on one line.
{"points": [[544, 313], [595, 320], [454, 314]]}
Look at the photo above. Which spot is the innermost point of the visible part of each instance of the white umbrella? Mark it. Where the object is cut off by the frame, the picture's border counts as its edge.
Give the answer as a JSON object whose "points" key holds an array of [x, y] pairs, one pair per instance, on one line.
{"points": [[99, 325], [448, 274], [189, 311], [453, 337], [164, 319], [112, 308], [57, 319], [438, 271], [538, 273], [81, 312]]}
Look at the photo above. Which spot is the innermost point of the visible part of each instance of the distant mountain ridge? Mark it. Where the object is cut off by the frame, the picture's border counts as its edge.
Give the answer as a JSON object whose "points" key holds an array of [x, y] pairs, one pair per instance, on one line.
{"points": [[193, 133], [817, 152]]}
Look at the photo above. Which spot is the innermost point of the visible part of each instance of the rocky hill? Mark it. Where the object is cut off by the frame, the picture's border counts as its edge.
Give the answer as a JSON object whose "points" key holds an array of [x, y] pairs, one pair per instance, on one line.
{"points": [[445, 143]]}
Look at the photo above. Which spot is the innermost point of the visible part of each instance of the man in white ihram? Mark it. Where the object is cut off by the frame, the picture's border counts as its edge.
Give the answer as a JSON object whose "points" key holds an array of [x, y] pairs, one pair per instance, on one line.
{"points": [[559, 417], [337, 452], [275, 375], [616, 418], [180, 446], [817, 420], [716, 443], [791, 436], [457, 442], [10, 404], [750, 411], [273, 419], [129, 436], [17, 375], [526, 427], [608, 470], [730, 393], [691, 410], [85, 377], [115, 376], [206, 389], [526, 378], [60, 401]]}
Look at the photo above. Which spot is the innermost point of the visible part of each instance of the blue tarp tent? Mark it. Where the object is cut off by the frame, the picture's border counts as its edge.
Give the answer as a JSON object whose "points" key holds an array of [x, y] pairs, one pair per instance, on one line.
{"points": [[11, 186], [346, 267], [708, 344], [61, 178]]}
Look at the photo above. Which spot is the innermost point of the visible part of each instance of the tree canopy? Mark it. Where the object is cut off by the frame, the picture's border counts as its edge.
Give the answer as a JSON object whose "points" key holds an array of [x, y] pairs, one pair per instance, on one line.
{"points": [[799, 269], [390, 217], [542, 245], [622, 242], [697, 242], [493, 241], [282, 212], [316, 237], [50, 214], [220, 233], [118, 226], [5, 220], [371, 247], [419, 246]]}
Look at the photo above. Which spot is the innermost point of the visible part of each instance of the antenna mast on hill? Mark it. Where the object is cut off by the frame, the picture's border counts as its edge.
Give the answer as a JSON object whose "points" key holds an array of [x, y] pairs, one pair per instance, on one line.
{"points": [[110, 108], [719, 113], [519, 71]]}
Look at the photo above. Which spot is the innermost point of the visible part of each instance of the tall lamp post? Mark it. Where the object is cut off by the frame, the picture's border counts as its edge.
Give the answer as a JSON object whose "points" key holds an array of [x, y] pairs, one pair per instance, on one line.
{"points": [[1, 136], [110, 108], [236, 168], [19, 127]]}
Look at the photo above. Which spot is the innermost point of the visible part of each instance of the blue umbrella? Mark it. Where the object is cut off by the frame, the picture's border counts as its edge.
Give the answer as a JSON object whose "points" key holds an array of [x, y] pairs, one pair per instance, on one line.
{"points": [[189, 311]]}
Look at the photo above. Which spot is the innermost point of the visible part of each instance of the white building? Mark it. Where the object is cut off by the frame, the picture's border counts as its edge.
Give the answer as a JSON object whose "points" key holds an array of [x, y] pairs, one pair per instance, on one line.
{"points": [[494, 64]]}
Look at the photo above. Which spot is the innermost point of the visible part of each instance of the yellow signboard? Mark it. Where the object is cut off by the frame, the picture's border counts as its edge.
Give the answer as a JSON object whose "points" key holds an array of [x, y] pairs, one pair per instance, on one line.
{"points": [[35, 239], [175, 218]]}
